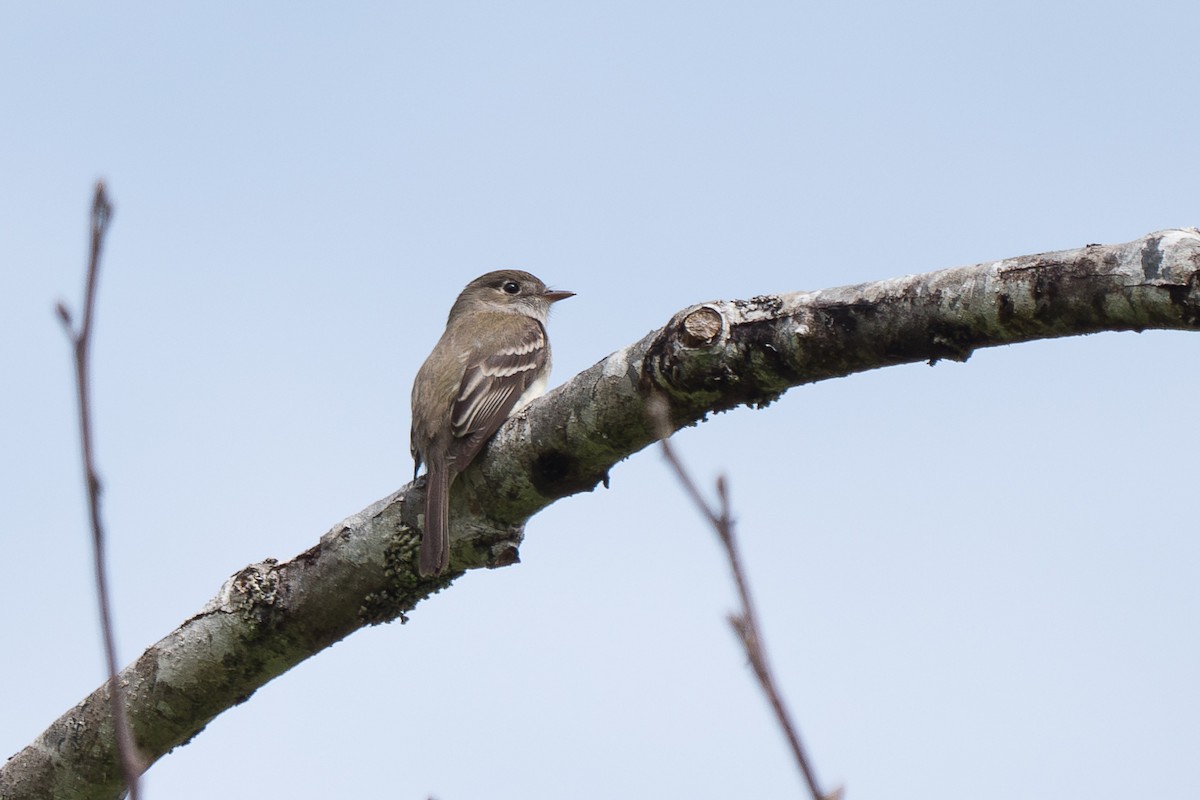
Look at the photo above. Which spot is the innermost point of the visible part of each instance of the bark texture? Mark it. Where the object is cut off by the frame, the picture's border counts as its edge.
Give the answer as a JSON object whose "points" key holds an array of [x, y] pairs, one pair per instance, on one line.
{"points": [[709, 357]]}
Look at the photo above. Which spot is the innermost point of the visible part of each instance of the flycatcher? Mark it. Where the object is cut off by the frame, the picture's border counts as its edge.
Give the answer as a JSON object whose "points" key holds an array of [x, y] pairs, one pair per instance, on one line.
{"points": [[492, 359]]}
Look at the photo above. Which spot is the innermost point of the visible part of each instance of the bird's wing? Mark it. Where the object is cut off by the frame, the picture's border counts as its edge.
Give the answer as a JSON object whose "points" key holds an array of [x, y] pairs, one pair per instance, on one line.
{"points": [[492, 386]]}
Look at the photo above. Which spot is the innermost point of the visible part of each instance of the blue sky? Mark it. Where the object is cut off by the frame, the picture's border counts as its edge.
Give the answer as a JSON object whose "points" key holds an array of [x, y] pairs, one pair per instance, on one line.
{"points": [[976, 580]]}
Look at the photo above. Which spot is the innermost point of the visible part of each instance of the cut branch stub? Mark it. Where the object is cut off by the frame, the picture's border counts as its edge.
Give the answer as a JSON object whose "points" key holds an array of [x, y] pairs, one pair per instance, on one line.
{"points": [[715, 356], [701, 326]]}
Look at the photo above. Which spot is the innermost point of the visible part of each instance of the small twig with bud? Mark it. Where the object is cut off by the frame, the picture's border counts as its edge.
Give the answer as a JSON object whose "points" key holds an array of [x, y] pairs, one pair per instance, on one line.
{"points": [[745, 621], [101, 215]]}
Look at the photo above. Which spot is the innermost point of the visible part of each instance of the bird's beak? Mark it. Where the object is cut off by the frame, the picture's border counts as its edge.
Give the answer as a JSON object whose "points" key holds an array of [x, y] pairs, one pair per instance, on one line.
{"points": [[554, 295]]}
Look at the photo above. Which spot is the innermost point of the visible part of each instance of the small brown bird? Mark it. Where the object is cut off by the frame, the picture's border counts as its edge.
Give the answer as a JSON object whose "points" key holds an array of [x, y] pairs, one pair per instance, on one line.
{"points": [[492, 359]]}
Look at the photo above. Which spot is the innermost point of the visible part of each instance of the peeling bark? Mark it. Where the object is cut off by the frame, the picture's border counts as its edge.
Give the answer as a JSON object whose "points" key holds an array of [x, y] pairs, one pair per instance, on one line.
{"points": [[710, 357]]}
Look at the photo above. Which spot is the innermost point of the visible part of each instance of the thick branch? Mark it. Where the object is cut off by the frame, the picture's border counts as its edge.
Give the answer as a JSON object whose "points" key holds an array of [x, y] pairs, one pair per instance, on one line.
{"points": [[710, 357]]}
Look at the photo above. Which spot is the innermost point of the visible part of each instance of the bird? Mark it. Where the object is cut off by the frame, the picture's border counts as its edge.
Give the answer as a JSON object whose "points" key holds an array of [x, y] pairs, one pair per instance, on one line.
{"points": [[492, 359]]}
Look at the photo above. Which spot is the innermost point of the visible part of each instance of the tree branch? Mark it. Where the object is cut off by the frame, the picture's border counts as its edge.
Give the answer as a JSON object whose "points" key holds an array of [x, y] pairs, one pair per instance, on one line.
{"points": [[710, 357]]}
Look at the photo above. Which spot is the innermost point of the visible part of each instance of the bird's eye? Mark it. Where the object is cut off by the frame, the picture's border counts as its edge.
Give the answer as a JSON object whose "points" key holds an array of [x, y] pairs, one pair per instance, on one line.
{"points": [[511, 287]]}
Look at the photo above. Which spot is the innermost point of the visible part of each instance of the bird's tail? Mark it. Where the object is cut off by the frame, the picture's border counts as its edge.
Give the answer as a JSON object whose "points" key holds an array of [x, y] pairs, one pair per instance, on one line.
{"points": [[435, 539]]}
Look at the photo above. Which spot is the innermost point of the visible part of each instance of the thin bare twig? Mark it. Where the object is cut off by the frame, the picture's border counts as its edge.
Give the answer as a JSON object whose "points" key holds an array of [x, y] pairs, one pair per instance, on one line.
{"points": [[744, 622], [81, 338]]}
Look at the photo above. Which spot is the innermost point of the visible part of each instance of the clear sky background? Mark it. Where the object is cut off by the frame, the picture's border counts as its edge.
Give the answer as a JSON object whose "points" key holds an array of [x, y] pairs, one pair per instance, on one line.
{"points": [[977, 580]]}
